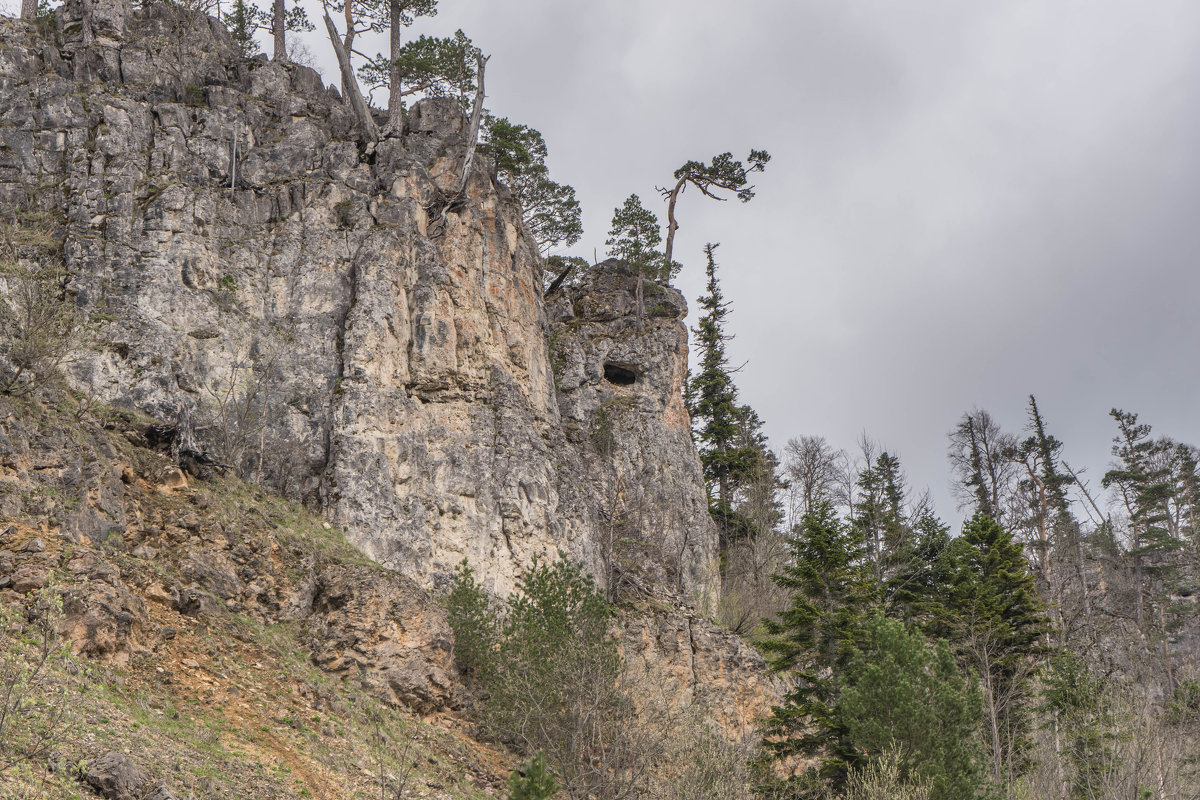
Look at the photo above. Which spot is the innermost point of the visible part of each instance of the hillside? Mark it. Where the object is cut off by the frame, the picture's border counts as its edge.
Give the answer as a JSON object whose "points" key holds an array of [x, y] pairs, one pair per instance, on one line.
{"points": [[274, 384]]}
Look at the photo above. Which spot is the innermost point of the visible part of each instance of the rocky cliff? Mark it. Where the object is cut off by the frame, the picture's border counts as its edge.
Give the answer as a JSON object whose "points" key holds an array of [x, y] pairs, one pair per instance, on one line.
{"points": [[301, 299]]}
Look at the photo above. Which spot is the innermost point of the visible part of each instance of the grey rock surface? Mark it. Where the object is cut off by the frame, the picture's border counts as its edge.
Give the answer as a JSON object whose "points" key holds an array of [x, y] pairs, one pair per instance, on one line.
{"points": [[247, 265]]}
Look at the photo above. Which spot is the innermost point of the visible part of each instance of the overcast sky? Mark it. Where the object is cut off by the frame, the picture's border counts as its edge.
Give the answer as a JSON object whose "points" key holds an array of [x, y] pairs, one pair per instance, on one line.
{"points": [[968, 202]]}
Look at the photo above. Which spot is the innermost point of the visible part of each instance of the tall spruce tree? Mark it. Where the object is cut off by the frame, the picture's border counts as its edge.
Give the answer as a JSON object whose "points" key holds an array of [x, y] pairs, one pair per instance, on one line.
{"points": [[726, 455], [986, 602], [833, 590], [880, 513]]}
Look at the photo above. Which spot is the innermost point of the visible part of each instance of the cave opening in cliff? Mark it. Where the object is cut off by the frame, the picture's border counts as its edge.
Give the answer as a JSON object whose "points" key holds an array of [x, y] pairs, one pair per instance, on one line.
{"points": [[619, 374]]}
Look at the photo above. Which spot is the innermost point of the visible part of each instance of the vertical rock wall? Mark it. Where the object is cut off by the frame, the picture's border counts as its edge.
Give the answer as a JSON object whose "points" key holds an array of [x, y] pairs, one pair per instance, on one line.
{"points": [[620, 379], [246, 263]]}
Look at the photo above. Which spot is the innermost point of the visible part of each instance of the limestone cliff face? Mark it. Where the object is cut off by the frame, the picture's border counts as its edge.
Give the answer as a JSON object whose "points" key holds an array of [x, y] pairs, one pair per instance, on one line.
{"points": [[620, 382], [249, 265]]}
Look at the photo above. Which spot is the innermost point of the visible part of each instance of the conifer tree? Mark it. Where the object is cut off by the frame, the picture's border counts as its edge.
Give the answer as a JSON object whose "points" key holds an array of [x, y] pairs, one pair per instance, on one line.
{"points": [[242, 22], [987, 604], [880, 513], [634, 238], [1045, 490], [726, 456], [900, 695], [1143, 483], [724, 173], [832, 590], [549, 209]]}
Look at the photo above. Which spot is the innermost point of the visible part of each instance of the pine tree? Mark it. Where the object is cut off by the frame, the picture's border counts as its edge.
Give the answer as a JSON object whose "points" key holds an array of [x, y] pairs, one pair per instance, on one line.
{"points": [[725, 455], [635, 237], [900, 695], [987, 604], [832, 593], [549, 209], [1143, 483], [724, 173], [535, 781]]}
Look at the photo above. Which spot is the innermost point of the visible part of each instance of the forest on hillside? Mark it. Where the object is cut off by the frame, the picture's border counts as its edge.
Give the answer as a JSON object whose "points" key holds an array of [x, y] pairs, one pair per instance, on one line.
{"points": [[1048, 649]]}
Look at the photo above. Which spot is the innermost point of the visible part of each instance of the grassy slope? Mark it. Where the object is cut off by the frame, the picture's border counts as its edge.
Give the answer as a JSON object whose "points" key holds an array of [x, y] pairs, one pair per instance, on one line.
{"points": [[231, 704]]}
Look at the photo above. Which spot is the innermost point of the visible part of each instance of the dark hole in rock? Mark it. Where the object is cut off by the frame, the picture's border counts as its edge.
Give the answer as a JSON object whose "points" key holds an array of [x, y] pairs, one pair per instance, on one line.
{"points": [[620, 375]]}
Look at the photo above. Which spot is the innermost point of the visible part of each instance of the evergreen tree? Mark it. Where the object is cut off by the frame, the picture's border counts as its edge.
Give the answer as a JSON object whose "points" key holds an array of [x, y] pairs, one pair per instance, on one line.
{"points": [[1044, 487], [987, 604], [1077, 706], [242, 22], [900, 695], [913, 592], [635, 237], [725, 454], [832, 590], [549, 209], [724, 173], [534, 781], [1143, 482], [880, 513], [245, 18]]}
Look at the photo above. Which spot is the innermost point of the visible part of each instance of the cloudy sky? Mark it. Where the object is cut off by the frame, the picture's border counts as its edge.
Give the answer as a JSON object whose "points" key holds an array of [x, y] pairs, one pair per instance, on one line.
{"points": [[968, 202]]}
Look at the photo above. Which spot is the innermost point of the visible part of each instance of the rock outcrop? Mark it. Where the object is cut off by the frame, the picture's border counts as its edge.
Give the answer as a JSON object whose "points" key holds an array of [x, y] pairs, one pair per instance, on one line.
{"points": [[316, 314], [620, 377], [328, 326]]}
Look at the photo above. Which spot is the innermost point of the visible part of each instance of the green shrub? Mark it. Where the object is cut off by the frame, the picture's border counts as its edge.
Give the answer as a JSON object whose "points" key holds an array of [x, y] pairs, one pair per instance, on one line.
{"points": [[548, 674], [533, 782]]}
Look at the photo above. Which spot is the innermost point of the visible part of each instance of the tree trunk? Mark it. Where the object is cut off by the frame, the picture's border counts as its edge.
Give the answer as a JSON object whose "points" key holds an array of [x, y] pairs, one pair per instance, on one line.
{"points": [[28, 9], [348, 39], [476, 118], [672, 225], [278, 17], [370, 130], [88, 35], [395, 123]]}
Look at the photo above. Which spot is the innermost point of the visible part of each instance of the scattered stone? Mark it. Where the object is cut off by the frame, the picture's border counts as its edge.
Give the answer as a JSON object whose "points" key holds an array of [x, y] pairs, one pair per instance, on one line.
{"points": [[144, 552], [172, 478], [214, 571], [104, 621], [29, 579], [115, 776], [384, 628], [197, 603], [161, 792]]}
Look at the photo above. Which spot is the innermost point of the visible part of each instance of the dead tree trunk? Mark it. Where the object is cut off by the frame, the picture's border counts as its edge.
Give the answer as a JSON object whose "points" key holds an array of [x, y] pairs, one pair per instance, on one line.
{"points": [[395, 123], [370, 130], [278, 17], [672, 225], [476, 119]]}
